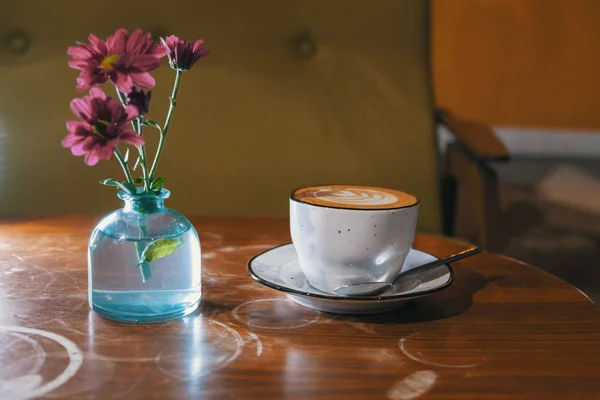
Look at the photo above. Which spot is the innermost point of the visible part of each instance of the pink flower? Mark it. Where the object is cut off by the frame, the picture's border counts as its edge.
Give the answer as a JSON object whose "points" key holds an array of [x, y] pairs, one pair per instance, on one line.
{"points": [[103, 123], [125, 60], [183, 54]]}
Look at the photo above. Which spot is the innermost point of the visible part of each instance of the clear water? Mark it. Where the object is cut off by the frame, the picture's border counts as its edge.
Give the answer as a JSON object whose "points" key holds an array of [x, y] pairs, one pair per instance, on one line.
{"points": [[117, 287]]}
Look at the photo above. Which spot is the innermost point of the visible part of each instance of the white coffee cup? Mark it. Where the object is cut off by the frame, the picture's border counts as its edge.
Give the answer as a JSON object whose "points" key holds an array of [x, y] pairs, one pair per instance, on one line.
{"points": [[346, 234]]}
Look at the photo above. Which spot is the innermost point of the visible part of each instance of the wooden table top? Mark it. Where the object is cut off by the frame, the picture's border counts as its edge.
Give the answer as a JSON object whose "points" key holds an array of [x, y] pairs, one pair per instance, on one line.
{"points": [[502, 330]]}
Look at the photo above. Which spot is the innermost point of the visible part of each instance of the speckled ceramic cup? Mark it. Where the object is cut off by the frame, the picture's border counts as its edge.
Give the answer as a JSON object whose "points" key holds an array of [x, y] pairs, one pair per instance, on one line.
{"points": [[347, 234]]}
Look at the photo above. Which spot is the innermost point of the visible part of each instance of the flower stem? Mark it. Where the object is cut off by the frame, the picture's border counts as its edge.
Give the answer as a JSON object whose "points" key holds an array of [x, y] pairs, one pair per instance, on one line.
{"points": [[145, 268], [165, 131], [121, 97], [137, 126], [142, 151], [123, 165]]}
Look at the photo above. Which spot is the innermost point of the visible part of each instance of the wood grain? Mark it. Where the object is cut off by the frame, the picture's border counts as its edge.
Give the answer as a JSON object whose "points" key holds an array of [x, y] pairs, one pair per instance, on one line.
{"points": [[502, 330]]}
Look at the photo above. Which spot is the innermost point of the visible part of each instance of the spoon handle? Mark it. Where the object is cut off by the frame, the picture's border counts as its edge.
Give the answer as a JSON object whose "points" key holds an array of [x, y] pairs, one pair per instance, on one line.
{"points": [[438, 262]]}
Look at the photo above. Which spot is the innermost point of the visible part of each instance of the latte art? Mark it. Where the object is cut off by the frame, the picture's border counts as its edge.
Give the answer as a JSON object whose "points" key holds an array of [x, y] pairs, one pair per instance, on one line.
{"points": [[361, 197], [366, 197]]}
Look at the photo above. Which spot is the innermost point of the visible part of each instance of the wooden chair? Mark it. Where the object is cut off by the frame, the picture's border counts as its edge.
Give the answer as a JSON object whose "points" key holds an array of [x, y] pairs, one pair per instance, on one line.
{"points": [[294, 93], [470, 187]]}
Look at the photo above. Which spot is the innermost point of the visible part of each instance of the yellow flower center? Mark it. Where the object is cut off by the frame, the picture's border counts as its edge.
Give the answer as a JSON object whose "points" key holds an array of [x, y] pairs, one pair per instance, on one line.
{"points": [[108, 61], [100, 128]]}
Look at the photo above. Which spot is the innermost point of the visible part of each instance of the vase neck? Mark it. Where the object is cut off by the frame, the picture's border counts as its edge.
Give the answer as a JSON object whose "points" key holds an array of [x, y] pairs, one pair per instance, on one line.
{"points": [[144, 202]]}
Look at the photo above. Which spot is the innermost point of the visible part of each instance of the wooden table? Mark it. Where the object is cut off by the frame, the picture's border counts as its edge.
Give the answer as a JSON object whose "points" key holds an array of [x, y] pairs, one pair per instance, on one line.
{"points": [[502, 330]]}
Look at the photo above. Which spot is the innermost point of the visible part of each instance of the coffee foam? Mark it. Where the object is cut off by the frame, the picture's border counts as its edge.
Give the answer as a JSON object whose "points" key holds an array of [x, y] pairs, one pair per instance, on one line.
{"points": [[356, 197]]}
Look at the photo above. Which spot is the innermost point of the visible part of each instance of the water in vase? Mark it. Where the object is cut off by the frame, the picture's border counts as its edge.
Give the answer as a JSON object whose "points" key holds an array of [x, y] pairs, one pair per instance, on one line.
{"points": [[127, 288]]}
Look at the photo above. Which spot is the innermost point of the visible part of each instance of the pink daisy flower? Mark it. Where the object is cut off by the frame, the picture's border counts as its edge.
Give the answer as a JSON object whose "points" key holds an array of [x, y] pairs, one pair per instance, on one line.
{"points": [[103, 123], [124, 59], [183, 54]]}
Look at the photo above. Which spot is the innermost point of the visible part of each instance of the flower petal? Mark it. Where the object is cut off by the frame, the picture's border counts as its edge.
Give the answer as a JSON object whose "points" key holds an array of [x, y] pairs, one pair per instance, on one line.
{"points": [[97, 93], [91, 78], [94, 39], [70, 140], [82, 84], [146, 62], [165, 44], [125, 62], [107, 151], [81, 109], [198, 45], [91, 158], [158, 51], [135, 41], [73, 126], [172, 40], [98, 44], [123, 82], [99, 109], [79, 148], [132, 112], [79, 51], [79, 64], [131, 137], [143, 80], [116, 43]]}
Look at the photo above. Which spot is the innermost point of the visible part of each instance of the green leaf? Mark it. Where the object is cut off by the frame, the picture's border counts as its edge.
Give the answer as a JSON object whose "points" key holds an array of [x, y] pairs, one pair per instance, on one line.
{"points": [[126, 186], [110, 182], [129, 187], [160, 248], [137, 162], [138, 180], [153, 124], [157, 184], [126, 156]]}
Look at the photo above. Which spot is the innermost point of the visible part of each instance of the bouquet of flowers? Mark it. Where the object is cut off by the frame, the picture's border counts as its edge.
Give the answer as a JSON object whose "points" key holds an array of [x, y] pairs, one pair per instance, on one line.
{"points": [[125, 60], [105, 123]]}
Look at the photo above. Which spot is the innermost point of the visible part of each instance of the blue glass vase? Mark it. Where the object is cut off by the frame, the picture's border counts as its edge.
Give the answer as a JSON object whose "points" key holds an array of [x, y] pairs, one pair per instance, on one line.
{"points": [[144, 262]]}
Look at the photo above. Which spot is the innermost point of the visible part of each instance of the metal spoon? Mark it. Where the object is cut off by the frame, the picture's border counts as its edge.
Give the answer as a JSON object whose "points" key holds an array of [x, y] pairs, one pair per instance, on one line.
{"points": [[375, 288]]}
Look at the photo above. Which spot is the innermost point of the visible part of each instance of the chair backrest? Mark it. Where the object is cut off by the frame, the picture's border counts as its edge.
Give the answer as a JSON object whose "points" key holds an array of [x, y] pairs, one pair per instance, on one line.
{"points": [[258, 117]]}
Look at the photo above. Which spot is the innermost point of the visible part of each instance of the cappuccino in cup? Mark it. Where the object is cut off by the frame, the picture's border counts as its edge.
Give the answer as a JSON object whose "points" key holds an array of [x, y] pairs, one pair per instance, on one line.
{"points": [[346, 234]]}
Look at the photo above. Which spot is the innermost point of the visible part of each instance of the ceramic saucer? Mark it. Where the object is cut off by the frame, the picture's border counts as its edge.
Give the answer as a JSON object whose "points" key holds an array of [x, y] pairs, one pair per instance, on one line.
{"points": [[278, 268]]}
